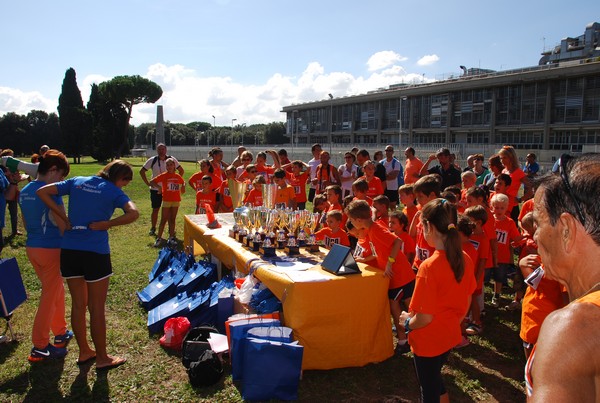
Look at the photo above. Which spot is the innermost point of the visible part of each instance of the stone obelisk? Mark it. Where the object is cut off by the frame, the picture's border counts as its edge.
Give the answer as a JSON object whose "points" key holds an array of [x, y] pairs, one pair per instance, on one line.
{"points": [[160, 126]]}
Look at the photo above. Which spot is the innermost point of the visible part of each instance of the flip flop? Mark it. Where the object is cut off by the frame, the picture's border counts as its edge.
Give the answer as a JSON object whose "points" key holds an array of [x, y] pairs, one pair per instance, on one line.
{"points": [[117, 363], [86, 361]]}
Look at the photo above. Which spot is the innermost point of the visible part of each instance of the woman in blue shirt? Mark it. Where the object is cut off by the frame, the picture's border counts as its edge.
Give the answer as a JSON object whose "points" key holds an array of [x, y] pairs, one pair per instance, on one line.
{"points": [[85, 252], [43, 250]]}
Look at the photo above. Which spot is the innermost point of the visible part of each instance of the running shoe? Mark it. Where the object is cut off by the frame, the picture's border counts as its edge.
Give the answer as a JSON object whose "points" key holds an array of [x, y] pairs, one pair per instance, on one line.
{"points": [[496, 301], [172, 242], [62, 340], [50, 351], [474, 329], [158, 242], [152, 232]]}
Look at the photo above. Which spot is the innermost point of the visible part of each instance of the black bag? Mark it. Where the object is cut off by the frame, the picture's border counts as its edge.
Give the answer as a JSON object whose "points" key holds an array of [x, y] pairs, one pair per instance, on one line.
{"points": [[195, 343], [206, 371]]}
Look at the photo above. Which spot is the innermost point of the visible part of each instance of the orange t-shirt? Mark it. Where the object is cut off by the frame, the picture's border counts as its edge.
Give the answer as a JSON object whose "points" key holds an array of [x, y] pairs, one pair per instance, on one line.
{"points": [[226, 200], [422, 249], [368, 200], [329, 237], [408, 244], [375, 187], [283, 196], [409, 212], [481, 243], [266, 171], [382, 240], [537, 304], [196, 181], [506, 231], [411, 168], [254, 197], [299, 185], [513, 189], [211, 198], [527, 207], [171, 185], [438, 293]]}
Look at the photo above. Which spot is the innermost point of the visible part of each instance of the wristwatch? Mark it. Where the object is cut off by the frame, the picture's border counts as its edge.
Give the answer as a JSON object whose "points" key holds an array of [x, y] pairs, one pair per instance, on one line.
{"points": [[407, 328]]}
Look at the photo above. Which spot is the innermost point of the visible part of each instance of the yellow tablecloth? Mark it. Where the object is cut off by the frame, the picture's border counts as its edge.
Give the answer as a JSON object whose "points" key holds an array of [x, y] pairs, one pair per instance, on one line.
{"points": [[343, 322]]}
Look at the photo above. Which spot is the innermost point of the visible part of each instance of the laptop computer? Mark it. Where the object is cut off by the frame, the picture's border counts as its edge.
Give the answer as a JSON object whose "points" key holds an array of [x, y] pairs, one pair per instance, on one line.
{"points": [[340, 261]]}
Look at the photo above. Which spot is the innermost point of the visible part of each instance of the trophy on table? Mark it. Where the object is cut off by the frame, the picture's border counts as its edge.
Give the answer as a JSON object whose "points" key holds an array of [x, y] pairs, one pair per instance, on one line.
{"points": [[312, 222], [251, 220], [237, 191], [267, 220], [269, 194], [294, 219], [257, 224]]}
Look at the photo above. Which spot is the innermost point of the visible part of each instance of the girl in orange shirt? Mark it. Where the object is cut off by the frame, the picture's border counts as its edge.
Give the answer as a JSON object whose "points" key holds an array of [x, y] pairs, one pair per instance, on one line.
{"points": [[399, 224], [172, 186], [445, 282], [206, 168]]}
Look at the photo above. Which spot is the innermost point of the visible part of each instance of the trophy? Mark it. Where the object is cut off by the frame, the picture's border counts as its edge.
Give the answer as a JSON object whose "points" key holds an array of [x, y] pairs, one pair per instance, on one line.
{"points": [[256, 224], [269, 194], [244, 225], [282, 223], [237, 190], [251, 224], [293, 222], [267, 218], [312, 222], [237, 218]]}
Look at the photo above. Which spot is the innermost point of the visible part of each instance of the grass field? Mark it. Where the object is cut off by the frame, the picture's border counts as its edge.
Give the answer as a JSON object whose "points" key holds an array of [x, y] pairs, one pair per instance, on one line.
{"points": [[489, 369]]}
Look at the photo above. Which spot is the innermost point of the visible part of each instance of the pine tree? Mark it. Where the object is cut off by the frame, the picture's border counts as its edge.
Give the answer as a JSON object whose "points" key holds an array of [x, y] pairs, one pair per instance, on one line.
{"points": [[74, 119]]}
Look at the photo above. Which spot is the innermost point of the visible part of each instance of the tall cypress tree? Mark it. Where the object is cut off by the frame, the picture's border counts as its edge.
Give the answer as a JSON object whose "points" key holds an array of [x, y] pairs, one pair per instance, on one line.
{"points": [[75, 121]]}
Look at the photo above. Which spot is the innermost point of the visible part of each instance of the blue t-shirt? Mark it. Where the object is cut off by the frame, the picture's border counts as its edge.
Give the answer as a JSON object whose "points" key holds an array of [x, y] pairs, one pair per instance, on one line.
{"points": [[91, 199], [42, 231]]}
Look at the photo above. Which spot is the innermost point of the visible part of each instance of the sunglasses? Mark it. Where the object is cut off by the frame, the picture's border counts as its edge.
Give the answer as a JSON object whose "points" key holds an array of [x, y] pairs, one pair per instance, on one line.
{"points": [[565, 179]]}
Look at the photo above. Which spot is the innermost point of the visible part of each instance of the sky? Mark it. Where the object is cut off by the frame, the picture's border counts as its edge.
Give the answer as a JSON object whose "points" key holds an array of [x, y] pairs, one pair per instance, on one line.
{"points": [[247, 59]]}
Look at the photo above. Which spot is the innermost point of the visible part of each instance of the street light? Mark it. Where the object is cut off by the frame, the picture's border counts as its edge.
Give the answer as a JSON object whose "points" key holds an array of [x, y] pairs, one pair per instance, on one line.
{"points": [[231, 151], [243, 126], [400, 124], [213, 130], [330, 120], [292, 131]]}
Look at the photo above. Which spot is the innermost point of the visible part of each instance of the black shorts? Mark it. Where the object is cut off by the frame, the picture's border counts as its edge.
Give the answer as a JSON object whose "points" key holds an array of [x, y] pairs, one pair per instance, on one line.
{"points": [[402, 293], [155, 198], [90, 266], [392, 195]]}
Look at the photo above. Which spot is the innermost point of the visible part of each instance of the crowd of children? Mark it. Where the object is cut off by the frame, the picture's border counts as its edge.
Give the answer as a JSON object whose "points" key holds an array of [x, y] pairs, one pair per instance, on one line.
{"points": [[438, 246]]}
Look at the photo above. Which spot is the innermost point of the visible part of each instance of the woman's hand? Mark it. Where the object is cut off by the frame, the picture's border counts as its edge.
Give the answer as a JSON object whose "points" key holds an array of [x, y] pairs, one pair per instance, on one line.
{"points": [[100, 225]]}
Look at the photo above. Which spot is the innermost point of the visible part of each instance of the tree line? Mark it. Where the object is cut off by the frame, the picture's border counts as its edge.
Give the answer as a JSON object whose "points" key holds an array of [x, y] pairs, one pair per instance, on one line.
{"points": [[101, 128]]}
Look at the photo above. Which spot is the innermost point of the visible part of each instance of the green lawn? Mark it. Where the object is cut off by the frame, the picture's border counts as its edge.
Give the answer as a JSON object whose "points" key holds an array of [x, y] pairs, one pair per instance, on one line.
{"points": [[490, 369]]}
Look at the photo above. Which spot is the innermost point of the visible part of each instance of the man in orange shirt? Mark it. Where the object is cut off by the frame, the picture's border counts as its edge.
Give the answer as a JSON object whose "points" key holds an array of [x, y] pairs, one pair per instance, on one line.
{"points": [[413, 166]]}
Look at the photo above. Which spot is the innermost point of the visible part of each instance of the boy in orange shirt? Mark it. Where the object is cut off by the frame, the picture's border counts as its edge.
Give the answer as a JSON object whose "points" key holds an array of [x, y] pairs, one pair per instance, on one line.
{"points": [[381, 204], [333, 233], [206, 195], [226, 201], [172, 186], [297, 178], [390, 259], [255, 196], [480, 242], [285, 196], [407, 198], [506, 232], [398, 225], [360, 187], [426, 189]]}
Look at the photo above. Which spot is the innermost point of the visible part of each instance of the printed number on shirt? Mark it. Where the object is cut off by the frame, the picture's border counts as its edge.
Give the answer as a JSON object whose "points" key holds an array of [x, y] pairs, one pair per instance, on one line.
{"points": [[358, 251], [329, 242], [422, 254], [501, 236], [297, 189], [373, 251], [173, 187]]}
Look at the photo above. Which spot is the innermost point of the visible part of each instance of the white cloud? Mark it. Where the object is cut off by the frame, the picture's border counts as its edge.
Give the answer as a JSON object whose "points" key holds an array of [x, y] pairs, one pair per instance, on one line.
{"points": [[428, 60], [15, 100], [188, 97], [384, 59]]}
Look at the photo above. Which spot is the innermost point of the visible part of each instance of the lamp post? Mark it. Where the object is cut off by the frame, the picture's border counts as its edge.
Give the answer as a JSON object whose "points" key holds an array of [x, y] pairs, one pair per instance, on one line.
{"points": [[400, 124], [231, 151], [243, 126], [330, 120], [213, 130], [294, 123]]}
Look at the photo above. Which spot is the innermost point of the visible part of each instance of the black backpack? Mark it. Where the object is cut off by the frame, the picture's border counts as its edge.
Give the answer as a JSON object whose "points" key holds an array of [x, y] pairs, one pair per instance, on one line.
{"points": [[195, 343], [206, 371]]}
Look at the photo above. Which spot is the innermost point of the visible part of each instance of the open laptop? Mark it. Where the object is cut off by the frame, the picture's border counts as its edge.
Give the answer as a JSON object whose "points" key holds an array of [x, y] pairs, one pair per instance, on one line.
{"points": [[340, 261]]}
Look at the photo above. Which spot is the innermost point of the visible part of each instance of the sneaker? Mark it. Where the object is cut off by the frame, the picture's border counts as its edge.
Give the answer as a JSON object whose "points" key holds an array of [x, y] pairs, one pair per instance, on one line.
{"points": [[513, 306], [496, 301], [474, 329], [402, 348], [62, 340], [152, 232], [463, 343], [172, 242], [158, 242], [50, 351]]}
